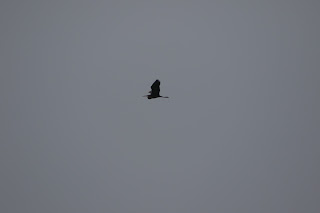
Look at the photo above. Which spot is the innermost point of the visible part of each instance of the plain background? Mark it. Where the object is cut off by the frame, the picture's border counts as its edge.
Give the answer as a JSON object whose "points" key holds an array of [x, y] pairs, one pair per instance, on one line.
{"points": [[239, 133]]}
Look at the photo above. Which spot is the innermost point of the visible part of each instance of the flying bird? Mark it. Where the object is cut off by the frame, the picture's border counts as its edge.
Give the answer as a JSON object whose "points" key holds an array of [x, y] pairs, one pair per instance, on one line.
{"points": [[155, 91]]}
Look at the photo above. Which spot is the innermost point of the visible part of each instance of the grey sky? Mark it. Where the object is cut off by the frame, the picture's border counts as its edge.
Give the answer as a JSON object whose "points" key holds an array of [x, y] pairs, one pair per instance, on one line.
{"points": [[239, 133]]}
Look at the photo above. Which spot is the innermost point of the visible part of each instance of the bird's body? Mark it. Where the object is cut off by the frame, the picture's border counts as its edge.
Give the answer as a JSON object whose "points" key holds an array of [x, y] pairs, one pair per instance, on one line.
{"points": [[155, 91]]}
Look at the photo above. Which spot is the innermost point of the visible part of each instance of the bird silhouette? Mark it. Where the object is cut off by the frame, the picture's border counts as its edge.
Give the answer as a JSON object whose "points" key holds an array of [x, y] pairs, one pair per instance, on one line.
{"points": [[155, 91]]}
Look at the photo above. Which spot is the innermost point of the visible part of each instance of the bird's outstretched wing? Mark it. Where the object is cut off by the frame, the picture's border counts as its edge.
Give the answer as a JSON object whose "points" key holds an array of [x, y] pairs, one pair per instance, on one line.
{"points": [[155, 88]]}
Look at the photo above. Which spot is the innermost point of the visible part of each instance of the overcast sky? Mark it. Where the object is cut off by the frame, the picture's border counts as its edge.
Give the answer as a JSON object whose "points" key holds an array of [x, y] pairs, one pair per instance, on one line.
{"points": [[240, 132]]}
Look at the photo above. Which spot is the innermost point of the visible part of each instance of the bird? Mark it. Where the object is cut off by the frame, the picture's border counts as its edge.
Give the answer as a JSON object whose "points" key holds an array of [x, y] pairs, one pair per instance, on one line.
{"points": [[155, 91]]}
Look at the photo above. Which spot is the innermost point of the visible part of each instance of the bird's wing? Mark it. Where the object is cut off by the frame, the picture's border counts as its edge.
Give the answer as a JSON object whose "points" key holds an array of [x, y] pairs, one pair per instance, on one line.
{"points": [[155, 87]]}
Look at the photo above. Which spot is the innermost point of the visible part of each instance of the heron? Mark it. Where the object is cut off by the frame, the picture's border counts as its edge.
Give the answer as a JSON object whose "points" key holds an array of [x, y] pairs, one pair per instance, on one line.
{"points": [[155, 91]]}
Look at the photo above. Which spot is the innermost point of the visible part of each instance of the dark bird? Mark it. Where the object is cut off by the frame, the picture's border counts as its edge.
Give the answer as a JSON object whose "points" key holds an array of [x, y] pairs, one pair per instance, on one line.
{"points": [[155, 91]]}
